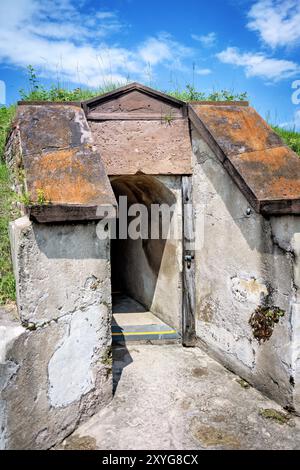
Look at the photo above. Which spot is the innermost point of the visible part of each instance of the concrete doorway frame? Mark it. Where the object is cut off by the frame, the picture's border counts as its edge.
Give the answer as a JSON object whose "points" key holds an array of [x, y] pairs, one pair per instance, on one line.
{"points": [[188, 330]]}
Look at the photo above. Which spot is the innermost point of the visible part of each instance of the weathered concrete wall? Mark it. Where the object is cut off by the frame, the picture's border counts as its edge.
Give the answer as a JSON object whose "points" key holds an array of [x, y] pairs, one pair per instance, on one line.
{"points": [[286, 235], [151, 269], [167, 299], [55, 364], [241, 267], [151, 147], [59, 268]]}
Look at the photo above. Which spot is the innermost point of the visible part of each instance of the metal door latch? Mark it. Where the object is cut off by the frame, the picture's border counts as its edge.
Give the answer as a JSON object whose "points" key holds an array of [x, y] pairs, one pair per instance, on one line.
{"points": [[188, 259]]}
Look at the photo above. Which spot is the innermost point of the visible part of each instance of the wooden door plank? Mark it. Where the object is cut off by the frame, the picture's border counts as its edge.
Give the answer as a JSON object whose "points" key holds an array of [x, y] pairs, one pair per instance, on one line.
{"points": [[189, 296]]}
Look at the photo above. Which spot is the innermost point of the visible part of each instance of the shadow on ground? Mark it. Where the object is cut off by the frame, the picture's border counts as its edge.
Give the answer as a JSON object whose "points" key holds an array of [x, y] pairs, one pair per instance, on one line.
{"points": [[121, 358]]}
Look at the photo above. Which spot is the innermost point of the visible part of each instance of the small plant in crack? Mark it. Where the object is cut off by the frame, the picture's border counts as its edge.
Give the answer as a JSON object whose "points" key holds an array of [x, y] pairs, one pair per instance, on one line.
{"points": [[25, 199], [41, 198]]}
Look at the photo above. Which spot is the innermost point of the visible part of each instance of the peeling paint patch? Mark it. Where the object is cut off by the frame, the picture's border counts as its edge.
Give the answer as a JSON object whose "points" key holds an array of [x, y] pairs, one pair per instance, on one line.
{"points": [[8, 334], [70, 368], [248, 290]]}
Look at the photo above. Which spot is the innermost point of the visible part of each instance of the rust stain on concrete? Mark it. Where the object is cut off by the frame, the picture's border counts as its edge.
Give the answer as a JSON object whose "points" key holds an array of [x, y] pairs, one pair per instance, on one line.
{"points": [[271, 173], [61, 163], [266, 170], [72, 176], [237, 129]]}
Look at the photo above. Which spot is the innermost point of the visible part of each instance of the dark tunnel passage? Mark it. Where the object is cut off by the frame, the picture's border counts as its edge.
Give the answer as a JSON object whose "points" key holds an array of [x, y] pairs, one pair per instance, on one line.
{"points": [[140, 267]]}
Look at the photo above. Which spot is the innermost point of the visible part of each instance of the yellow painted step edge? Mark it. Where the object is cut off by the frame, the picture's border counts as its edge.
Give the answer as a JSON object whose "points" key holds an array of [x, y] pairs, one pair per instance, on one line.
{"points": [[137, 333]]}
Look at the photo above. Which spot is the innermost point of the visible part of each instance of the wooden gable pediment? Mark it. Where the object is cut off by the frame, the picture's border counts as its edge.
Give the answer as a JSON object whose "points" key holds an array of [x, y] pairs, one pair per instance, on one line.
{"points": [[134, 102]]}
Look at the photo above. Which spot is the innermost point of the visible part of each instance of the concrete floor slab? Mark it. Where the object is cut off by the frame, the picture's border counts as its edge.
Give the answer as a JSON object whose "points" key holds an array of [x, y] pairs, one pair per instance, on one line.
{"points": [[169, 397], [122, 303], [142, 318], [132, 322]]}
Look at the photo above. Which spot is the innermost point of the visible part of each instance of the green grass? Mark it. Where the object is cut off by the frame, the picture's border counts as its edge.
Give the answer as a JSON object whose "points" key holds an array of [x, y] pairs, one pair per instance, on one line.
{"points": [[7, 213], [290, 137], [56, 93], [6, 116], [37, 92], [191, 94]]}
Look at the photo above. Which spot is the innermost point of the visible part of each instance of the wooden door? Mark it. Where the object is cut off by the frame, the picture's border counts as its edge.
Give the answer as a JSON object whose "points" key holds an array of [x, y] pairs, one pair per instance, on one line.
{"points": [[189, 296]]}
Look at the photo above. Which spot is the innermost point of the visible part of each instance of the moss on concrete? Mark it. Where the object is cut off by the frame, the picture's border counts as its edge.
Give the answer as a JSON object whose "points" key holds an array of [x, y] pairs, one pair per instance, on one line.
{"points": [[277, 416]]}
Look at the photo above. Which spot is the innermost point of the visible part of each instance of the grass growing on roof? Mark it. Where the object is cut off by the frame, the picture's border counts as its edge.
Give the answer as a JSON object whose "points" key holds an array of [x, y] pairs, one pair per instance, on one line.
{"points": [[290, 137], [37, 92]]}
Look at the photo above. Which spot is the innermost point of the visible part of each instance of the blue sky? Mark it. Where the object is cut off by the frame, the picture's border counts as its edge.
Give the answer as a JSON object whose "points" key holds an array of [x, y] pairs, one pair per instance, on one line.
{"points": [[245, 45]]}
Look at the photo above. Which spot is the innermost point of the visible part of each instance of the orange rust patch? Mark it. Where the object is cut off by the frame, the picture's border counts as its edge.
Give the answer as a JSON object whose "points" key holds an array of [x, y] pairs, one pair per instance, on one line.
{"points": [[68, 176], [70, 190], [274, 158], [237, 129], [271, 174], [284, 188], [60, 160], [65, 177], [261, 162]]}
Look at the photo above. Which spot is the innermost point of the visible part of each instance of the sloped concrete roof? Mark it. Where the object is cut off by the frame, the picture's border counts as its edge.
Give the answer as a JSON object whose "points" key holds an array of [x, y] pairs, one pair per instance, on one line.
{"points": [[266, 170], [59, 160]]}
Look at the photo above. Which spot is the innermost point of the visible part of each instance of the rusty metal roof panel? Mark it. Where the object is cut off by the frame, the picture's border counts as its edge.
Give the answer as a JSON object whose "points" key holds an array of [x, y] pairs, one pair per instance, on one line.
{"points": [[62, 169], [267, 171]]}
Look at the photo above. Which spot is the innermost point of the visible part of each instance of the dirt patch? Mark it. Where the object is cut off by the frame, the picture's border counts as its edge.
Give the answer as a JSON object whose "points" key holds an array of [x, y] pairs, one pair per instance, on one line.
{"points": [[207, 312], [210, 436], [199, 372], [80, 443]]}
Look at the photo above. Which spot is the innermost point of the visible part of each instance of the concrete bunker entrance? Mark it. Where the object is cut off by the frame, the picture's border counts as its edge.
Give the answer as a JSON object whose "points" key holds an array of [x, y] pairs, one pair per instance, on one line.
{"points": [[145, 268]]}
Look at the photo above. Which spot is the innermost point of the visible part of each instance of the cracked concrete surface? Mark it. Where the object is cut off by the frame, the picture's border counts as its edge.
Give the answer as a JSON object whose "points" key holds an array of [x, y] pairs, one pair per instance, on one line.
{"points": [[169, 397]]}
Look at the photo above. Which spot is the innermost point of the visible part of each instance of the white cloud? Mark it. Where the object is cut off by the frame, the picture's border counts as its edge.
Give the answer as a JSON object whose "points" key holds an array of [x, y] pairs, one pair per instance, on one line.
{"points": [[294, 124], [154, 51], [207, 40], [259, 65], [58, 40], [276, 21], [164, 49], [203, 71]]}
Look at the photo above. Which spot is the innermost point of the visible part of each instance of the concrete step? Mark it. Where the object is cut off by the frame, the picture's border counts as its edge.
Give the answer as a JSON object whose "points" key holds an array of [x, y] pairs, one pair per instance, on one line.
{"points": [[143, 333], [132, 322]]}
